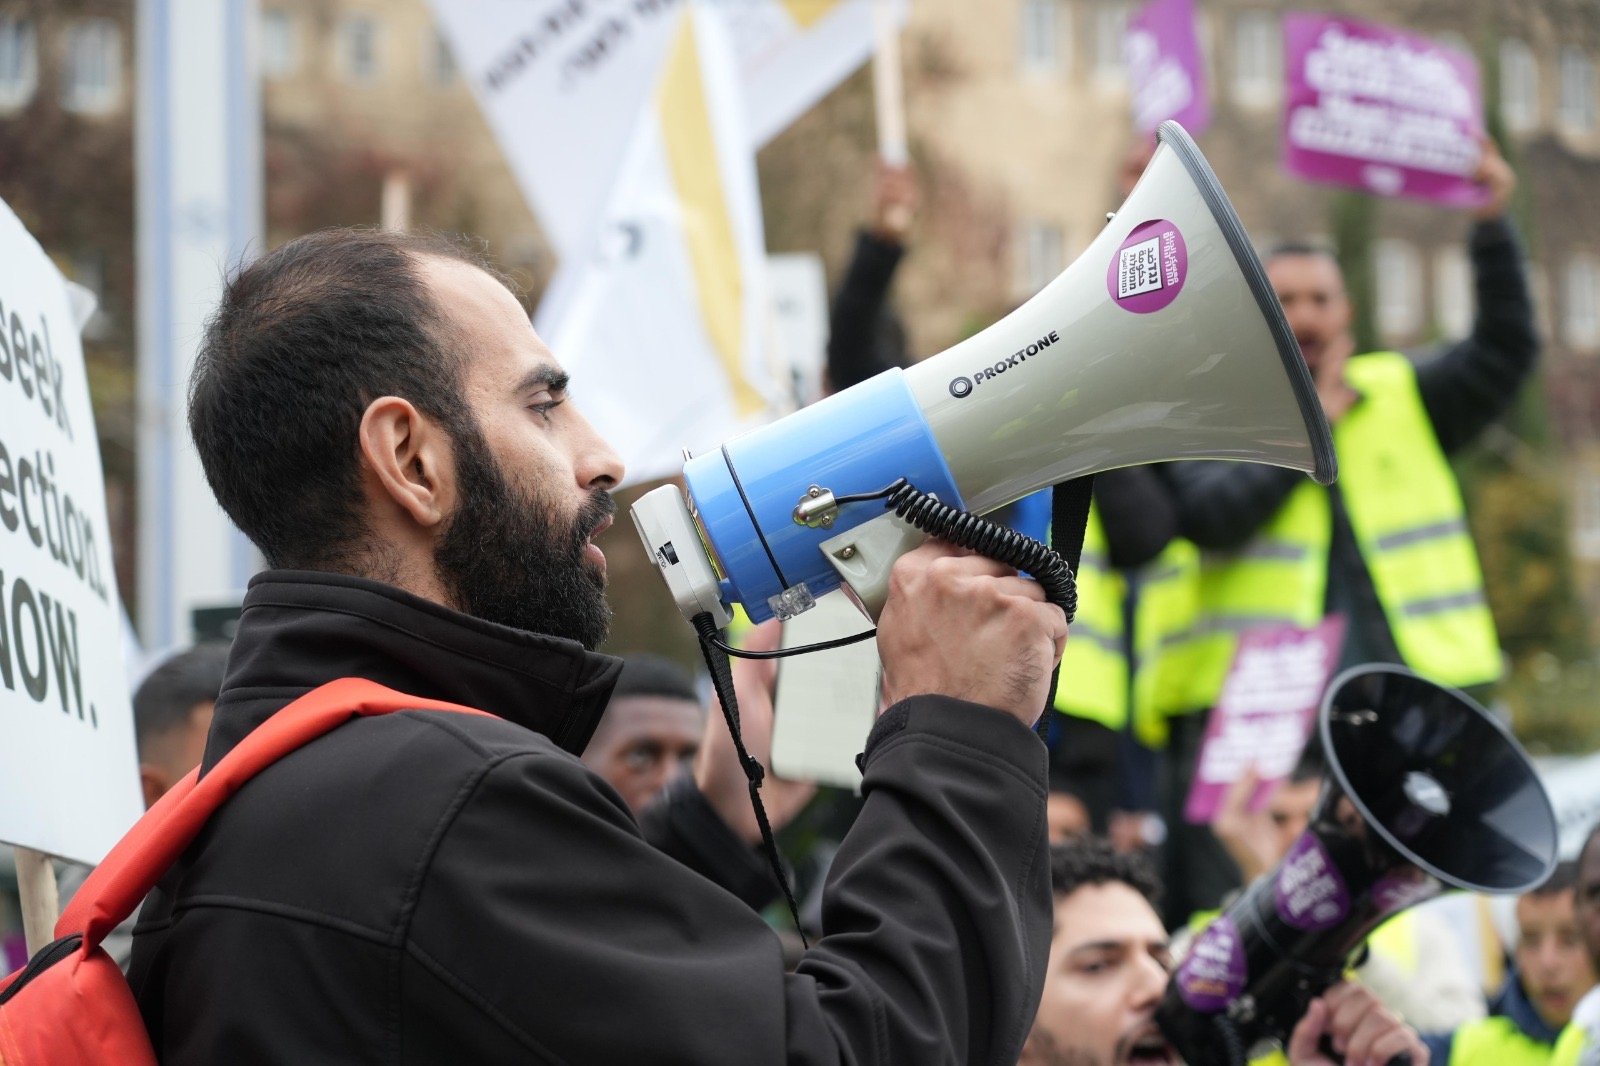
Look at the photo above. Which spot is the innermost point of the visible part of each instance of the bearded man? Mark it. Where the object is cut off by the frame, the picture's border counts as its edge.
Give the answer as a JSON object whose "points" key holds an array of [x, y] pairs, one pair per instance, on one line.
{"points": [[376, 413]]}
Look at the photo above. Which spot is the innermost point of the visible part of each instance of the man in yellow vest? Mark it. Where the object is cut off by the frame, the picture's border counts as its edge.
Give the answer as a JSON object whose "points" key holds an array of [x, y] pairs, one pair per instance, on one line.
{"points": [[1387, 547], [1553, 972]]}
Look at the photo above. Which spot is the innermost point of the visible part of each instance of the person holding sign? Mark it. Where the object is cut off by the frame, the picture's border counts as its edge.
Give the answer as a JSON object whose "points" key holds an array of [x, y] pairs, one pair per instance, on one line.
{"points": [[1387, 547], [376, 413]]}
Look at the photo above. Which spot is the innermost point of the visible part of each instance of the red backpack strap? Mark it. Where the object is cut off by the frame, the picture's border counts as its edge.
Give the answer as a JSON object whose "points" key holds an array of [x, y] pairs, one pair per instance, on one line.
{"points": [[115, 887]]}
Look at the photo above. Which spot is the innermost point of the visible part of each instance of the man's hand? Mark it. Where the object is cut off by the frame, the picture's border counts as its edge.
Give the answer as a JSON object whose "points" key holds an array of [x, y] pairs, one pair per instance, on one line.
{"points": [[1497, 178], [716, 766], [1360, 1029], [961, 625], [894, 202], [1246, 835], [1337, 397]]}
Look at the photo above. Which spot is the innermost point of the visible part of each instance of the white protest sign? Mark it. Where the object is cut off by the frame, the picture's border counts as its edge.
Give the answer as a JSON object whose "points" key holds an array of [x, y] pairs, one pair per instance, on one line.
{"points": [[69, 783], [797, 290]]}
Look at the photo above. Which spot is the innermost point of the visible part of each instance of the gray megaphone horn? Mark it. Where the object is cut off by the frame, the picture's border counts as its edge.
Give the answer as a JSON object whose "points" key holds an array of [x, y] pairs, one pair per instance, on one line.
{"points": [[1162, 341]]}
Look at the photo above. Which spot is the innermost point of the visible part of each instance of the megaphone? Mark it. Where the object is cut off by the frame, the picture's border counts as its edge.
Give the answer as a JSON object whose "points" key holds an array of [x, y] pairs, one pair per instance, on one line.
{"points": [[1425, 789], [1162, 341]]}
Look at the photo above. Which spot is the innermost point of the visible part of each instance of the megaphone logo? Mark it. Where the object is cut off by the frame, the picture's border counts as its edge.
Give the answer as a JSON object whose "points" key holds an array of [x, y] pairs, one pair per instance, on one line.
{"points": [[1070, 383]]}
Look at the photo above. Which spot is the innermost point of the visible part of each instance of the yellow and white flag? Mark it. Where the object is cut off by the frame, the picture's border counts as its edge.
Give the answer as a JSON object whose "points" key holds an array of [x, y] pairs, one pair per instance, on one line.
{"points": [[661, 325]]}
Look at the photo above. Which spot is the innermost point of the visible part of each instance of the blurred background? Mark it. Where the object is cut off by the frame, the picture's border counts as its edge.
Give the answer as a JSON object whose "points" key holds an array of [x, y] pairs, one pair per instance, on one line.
{"points": [[1018, 120]]}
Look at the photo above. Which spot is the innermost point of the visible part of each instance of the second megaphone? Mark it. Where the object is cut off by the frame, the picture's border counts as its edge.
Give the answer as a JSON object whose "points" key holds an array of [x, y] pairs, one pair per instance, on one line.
{"points": [[1162, 341]]}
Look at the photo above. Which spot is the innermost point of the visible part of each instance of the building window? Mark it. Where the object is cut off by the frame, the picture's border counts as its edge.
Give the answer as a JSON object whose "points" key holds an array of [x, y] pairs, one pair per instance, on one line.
{"points": [[92, 76], [358, 48], [1399, 284], [1452, 293], [1519, 86], [1577, 108], [1039, 36], [1257, 58], [1040, 256], [19, 62], [1580, 316], [442, 68], [280, 52], [1110, 34]]}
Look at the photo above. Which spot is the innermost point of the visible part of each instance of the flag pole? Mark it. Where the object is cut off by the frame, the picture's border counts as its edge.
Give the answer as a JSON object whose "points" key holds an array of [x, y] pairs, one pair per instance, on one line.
{"points": [[36, 889], [888, 87]]}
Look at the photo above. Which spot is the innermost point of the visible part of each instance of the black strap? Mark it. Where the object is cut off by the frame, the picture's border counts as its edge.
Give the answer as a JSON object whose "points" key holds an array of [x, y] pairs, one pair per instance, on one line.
{"points": [[1069, 518], [754, 772]]}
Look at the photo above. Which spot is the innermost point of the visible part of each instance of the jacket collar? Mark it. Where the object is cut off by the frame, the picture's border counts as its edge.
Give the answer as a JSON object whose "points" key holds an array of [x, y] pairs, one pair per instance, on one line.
{"points": [[1513, 1002], [300, 629]]}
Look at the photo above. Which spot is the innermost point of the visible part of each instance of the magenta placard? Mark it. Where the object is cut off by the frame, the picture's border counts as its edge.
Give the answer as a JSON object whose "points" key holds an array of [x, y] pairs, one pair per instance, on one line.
{"points": [[1164, 68], [1380, 109], [1265, 712]]}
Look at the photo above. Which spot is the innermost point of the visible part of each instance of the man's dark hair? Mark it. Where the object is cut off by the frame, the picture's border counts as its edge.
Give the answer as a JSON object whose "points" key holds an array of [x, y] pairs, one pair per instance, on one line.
{"points": [[167, 697], [303, 340], [644, 674], [1298, 248], [1563, 877], [1092, 861]]}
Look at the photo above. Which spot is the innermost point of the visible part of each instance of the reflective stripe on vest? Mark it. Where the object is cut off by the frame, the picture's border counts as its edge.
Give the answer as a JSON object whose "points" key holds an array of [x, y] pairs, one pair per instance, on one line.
{"points": [[1406, 513], [1497, 1041], [1094, 666]]}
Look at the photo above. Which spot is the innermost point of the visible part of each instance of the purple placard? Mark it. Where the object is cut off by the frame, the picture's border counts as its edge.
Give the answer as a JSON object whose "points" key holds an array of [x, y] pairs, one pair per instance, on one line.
{"points": [[1380, 109], [1164, 67], [1148, 269], [1213, 974], [1265, 712], [13, 954], [1309, 893]]}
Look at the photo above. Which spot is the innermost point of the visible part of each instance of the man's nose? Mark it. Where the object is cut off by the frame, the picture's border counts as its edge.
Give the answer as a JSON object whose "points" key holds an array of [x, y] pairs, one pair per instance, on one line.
{"points": [[598, 466]]}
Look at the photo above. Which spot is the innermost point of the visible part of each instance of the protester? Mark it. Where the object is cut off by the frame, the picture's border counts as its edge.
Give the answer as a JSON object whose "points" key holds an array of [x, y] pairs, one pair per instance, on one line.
{"points": [[865, 335], [1579, 1042], [1109, 965], [172, 710], [375, 412], [1387, 547], [1414, 963], [650, 731], [1552, 973]]}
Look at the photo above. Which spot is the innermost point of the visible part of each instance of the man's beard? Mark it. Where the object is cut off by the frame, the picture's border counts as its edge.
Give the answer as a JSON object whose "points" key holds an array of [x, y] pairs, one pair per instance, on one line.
{"points": [[510, 559]]}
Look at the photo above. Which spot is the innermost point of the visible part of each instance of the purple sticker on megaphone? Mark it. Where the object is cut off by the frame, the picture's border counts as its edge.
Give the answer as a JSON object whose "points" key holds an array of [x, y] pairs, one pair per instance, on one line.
{"points": [[1213, 974], [1309, 893], [1149, 269]]}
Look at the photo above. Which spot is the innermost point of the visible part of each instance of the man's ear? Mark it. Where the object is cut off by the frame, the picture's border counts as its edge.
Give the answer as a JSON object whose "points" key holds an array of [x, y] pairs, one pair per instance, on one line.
{"points": [[408, 459]]}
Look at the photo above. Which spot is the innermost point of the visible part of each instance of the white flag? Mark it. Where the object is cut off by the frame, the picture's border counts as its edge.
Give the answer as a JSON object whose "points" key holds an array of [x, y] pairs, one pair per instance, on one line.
{"points": [[562, 83], [793, 52], [661, 326]]}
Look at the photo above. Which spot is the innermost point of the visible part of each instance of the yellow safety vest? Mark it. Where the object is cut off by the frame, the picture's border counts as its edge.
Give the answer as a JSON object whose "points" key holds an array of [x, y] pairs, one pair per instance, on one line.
{"points": [[1497, 1041], [1168, 607], [1571, 1045], [1406, 513], [1094, 668]]}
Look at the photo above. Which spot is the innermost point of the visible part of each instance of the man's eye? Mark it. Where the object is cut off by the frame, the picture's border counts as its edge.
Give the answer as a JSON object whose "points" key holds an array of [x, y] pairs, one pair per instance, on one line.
{"points": [[544, 408]]}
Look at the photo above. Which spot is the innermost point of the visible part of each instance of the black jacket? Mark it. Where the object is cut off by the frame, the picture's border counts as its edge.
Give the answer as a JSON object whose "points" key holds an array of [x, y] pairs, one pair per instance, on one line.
{"points": [[426, 887]]}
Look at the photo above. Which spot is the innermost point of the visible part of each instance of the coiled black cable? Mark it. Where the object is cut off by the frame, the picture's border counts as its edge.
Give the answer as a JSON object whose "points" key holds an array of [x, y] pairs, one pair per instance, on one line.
{"points": [[991, 539]]}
